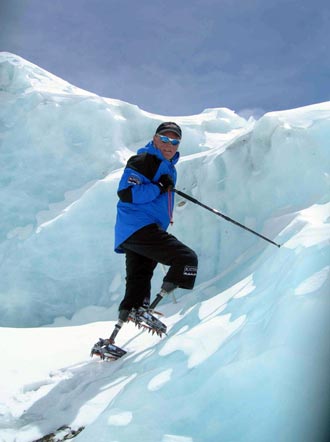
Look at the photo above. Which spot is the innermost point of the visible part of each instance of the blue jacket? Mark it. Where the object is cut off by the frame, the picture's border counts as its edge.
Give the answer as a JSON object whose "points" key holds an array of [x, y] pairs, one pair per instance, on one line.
{"points": [[140, 201]]}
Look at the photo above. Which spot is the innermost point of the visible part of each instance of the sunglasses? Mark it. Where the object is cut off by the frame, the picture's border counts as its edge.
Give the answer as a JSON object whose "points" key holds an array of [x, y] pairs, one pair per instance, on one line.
{"points": [[173, 141]]}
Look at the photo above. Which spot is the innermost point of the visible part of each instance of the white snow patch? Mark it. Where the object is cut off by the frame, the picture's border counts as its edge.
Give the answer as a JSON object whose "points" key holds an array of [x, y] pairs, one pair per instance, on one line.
{"points": [[203, 340], [212, 307], [160, 380], [176, 438], [120, 418], [314, 282]]}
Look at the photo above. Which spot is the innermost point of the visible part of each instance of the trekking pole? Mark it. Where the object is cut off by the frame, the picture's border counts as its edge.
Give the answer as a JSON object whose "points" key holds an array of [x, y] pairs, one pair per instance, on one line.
{"points": [[193, 200], [172, 293]]}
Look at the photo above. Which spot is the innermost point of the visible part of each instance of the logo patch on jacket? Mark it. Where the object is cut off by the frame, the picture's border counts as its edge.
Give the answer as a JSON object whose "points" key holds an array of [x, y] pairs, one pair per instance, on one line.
{"points": [[133, 179]]}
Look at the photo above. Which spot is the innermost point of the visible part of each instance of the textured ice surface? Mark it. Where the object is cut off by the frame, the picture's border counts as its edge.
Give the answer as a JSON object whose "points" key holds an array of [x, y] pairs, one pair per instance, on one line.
{"points": [[247, 354]]}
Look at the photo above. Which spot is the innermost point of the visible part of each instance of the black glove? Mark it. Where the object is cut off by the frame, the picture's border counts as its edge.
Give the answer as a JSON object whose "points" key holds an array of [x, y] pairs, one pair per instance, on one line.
{"points": [[165, 183]]}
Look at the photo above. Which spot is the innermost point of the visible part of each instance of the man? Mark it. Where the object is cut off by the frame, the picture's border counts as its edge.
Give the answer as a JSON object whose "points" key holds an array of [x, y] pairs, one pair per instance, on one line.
{"points": [[144, 212]]}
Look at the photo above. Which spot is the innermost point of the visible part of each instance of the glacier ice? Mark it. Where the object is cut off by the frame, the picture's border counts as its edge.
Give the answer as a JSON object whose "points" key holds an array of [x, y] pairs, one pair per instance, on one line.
{"points": [[259, 315], [62, 150]]}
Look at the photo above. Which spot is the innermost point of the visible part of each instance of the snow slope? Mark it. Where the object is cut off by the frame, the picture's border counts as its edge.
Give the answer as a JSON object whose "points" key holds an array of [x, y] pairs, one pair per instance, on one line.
{"points": [[246, 357]]}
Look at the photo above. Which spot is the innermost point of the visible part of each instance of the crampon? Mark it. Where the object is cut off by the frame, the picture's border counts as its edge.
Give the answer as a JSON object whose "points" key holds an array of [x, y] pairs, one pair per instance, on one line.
{"points": [[143, 318], [106, 350]]}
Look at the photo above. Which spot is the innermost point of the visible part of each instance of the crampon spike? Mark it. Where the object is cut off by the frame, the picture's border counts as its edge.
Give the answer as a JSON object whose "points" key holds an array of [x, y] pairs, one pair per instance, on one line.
{"points": [[106, 350], [144, 318]]}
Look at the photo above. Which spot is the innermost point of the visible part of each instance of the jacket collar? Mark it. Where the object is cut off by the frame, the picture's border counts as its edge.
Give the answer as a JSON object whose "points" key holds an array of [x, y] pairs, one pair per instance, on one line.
{"points": [[150, 148]]}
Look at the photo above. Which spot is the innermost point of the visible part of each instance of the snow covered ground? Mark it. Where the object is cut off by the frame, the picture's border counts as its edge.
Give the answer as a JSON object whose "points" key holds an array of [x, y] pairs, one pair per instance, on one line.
{"points": [[247, 354]]}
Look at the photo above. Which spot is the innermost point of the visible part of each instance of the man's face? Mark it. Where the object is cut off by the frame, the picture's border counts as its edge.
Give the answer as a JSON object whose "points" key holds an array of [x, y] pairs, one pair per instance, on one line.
{"points": [[167, 149]]}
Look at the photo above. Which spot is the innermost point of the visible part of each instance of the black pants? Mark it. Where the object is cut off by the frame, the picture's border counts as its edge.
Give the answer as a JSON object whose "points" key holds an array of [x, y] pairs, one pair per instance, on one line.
{"points": [[144, 250]]}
